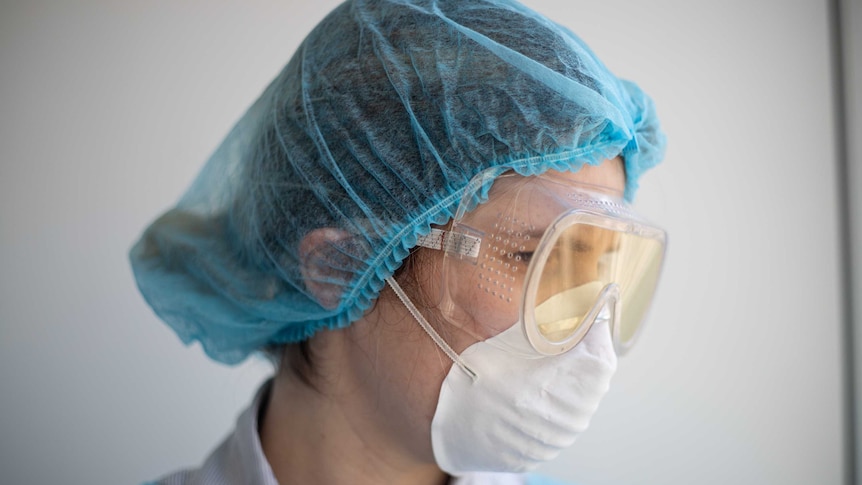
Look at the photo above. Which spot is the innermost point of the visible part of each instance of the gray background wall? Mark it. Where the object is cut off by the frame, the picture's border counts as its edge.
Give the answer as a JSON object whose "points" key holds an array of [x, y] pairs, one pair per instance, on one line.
{"points": [[852, 30], [110, 108]]}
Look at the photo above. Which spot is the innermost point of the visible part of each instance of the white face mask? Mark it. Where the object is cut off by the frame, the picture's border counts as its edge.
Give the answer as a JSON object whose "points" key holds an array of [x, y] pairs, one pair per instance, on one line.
{"points": [[519, 412], [501, 411]]}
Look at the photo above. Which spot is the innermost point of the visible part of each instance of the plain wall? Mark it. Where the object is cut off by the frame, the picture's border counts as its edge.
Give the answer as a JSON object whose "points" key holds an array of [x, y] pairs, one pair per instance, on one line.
{"points": [[852, 31], [110, 108]]}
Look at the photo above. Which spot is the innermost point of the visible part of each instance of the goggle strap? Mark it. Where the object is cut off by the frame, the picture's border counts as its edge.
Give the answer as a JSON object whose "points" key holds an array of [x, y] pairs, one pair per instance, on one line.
{"points": [[430, 330], [432, 240], [460, 244]]}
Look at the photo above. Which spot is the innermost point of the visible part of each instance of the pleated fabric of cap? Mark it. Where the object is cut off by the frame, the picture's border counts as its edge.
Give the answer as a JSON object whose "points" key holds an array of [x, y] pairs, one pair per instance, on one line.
{"points": [[367, 137]]}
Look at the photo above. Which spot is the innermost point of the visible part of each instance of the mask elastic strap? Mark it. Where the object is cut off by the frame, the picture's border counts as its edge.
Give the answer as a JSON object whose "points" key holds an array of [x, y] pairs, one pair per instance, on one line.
{"points": [[430, 330]]}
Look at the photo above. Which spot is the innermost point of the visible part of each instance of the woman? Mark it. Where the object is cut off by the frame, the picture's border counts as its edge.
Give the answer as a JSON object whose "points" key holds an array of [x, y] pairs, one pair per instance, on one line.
{"points": [[422, 220]]}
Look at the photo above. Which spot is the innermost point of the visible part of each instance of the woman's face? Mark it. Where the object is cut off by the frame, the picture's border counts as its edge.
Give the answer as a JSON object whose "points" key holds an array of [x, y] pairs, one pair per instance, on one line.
{"points": [[482, 293], [393, 368]]}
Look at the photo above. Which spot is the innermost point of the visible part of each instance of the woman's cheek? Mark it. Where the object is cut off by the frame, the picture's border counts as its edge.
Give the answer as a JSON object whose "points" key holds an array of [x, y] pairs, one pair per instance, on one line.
{"points": [[490, 313]]}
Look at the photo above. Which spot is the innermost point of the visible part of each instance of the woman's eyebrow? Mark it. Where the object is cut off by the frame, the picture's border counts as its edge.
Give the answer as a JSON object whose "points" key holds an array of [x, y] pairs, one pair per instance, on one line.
{"points": [[534, 233], [581, 246]]}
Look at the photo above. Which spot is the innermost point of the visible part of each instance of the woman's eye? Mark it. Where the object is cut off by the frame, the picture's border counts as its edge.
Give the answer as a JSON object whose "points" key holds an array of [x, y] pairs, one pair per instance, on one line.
{"points": [[524, 256]]}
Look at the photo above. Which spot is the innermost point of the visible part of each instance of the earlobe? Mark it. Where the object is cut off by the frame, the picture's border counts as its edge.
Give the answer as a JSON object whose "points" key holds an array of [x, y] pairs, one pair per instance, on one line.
{"points": [[322, 265]]}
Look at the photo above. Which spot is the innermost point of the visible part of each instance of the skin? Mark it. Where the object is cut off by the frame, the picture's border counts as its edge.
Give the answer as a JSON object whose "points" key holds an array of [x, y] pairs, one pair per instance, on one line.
{"points": [[377, 381]]}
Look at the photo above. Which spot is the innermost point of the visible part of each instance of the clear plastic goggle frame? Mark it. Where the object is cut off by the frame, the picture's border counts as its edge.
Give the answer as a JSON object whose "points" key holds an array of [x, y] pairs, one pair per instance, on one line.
{"points": [[551, 254]]}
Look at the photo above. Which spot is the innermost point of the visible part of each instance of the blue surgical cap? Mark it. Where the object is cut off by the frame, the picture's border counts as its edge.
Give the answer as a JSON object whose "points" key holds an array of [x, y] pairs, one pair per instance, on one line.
{"points": [[367, 137]]}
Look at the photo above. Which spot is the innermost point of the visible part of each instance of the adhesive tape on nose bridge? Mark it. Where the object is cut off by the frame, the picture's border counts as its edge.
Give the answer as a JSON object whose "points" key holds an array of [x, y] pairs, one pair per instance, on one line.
{"points": [[458, 244]]}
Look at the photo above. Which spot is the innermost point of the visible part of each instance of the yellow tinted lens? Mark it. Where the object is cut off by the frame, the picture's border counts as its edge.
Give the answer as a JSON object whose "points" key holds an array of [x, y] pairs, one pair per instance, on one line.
{"points": [[561, 315], [636, 269], [582, 262], [572, 279]]}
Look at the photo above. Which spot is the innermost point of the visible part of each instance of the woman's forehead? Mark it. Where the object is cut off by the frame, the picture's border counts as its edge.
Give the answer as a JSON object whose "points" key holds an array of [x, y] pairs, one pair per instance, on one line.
{"points": [[608, 177], [531, 203]]}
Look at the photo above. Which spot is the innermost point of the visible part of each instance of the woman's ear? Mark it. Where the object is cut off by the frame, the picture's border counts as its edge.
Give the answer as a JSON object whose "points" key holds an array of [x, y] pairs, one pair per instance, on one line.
{"points": [[323, 265]]}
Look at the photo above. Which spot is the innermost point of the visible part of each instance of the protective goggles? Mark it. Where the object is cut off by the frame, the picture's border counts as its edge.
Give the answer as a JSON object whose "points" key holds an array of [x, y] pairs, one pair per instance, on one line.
{"points": [[552, 253]]}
